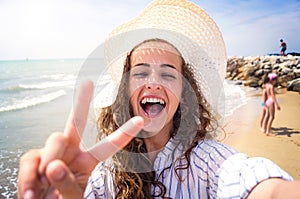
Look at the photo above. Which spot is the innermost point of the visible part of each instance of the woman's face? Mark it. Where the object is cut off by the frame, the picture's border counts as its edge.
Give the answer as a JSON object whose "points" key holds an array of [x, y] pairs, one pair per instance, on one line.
{"points": [[155, 84]]}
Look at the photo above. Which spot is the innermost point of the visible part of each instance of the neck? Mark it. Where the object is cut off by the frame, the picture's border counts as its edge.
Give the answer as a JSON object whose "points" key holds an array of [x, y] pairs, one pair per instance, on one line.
{"points": [[157, 142]]}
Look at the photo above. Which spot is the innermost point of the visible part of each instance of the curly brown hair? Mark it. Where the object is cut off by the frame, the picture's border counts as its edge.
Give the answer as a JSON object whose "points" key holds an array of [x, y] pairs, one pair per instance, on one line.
{"points": [[134, 174]]}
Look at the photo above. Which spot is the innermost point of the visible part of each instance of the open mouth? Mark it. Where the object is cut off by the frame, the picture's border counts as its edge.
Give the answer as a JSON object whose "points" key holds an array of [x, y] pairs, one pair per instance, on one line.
{"points": [[152, 106]]}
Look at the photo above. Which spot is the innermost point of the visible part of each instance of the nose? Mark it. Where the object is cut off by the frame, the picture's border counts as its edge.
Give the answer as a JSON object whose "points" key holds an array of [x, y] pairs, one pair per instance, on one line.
{"points": [[153, 86], [153, 81]]}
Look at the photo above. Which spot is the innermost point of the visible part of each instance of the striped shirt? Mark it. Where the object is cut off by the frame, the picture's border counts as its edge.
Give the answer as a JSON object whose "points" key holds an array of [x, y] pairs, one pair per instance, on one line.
{"points": [[216, 171]]}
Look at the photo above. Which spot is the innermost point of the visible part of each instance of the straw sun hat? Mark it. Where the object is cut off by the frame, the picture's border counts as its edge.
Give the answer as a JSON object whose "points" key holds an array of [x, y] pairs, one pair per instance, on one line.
{"points": [[185, 25]]}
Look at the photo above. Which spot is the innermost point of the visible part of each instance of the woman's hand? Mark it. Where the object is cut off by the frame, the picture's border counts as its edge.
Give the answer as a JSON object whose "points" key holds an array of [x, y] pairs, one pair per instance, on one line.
{"points": [[278, 107], [61, 169]]}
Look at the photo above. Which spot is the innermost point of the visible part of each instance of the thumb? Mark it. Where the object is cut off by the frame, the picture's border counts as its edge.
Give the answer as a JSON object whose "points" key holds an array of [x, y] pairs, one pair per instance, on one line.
{"points": [[63, 180]]}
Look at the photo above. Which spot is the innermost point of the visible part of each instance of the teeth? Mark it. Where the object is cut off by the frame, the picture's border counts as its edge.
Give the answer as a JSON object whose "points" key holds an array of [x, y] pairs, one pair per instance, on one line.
{"points": [[152, 100]]}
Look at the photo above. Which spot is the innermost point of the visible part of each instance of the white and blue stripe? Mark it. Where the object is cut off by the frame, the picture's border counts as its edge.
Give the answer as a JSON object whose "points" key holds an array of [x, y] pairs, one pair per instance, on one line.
{"points": [[216, 171]]}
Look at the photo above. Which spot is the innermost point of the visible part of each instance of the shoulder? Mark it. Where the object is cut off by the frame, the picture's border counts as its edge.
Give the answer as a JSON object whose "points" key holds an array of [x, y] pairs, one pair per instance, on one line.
{"points": [[269, 86], [206, 160], [239, 174], [214, 149], [211, 153]]}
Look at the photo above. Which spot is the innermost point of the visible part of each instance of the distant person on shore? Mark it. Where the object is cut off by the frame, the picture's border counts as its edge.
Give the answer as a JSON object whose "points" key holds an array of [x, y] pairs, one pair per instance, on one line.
{"points": [[283, 47], [270, 104]]}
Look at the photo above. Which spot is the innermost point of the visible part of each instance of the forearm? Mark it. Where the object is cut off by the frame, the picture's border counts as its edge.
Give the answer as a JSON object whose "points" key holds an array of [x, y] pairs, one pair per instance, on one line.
{"points": [[287, 189], [276, 103], [276, 188], [274, 98]]}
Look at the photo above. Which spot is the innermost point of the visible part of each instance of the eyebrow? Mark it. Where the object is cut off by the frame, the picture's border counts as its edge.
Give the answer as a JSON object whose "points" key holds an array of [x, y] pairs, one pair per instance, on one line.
{"points": [[162, 65]]}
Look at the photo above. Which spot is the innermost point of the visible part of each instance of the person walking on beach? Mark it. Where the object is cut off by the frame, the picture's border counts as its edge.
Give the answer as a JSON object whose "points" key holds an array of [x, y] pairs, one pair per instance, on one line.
{"points": [[156, 138], [283, 47], [270, 104]]}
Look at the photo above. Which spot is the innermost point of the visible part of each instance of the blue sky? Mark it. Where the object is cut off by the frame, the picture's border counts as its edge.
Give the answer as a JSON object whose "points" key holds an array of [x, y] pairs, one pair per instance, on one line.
{"points": [[46, 29]]}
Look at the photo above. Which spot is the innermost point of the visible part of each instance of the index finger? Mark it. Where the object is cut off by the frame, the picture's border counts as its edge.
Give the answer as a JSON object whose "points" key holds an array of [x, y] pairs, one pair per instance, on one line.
{"points": [[118, 139], [56, 144], [78, 117]]}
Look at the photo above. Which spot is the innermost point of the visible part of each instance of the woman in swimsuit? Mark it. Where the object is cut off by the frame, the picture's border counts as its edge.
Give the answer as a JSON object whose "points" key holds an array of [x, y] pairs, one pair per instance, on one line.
{"points": [[264, 114], [270, 103]]}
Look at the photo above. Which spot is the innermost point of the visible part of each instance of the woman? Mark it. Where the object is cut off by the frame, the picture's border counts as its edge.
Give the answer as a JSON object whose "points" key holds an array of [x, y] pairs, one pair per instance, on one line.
{"points": [[264, 114], [168, 149], [271, 103], [177, 118], [158, 86]]}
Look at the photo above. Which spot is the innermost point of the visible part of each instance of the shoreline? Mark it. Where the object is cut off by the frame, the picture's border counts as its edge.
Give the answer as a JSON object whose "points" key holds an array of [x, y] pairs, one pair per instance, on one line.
{"points": [[243, 130]]}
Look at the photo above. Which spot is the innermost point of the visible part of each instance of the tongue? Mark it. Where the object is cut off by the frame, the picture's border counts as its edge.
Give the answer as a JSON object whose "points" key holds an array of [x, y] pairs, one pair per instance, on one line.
{"points": [[153, 109]]}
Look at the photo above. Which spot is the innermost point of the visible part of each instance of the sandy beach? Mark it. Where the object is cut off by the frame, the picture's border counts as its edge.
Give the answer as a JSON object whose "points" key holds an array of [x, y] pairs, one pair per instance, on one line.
{"points": [[243, 131]]}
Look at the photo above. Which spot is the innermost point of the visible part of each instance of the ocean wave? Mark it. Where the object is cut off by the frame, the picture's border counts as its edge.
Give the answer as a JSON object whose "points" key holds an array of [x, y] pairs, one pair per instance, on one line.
{"points": [[11, 89], [235, 97], [45, 85], [60, 76], [28, 102], [39, 86]]}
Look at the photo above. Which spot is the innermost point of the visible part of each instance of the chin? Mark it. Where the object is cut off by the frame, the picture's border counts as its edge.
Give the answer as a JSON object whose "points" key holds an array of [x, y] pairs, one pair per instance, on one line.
{"points": [[154, 125]]}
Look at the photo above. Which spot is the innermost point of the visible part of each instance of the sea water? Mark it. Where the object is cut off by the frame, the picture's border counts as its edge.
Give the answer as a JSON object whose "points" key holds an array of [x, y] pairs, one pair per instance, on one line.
{"points": [[35, 99]]}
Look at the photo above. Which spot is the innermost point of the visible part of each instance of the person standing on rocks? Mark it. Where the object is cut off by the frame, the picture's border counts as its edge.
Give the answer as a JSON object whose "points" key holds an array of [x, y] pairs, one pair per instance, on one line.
{"points": [[283, 47]]}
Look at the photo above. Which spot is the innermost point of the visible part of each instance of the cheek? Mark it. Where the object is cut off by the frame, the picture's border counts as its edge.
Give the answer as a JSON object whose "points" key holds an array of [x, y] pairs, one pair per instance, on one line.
{"points": [[133, 94], [174, 99], [175, 89], [178, 91], [134, 85]]}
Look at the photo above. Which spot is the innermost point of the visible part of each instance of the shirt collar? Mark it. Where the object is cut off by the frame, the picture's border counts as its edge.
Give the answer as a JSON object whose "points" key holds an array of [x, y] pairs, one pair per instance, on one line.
{"points": [[168, 155]]}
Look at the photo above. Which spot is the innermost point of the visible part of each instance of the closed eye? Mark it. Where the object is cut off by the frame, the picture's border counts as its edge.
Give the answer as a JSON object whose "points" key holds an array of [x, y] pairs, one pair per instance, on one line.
{"points": [[140, 74], [168, 76]]}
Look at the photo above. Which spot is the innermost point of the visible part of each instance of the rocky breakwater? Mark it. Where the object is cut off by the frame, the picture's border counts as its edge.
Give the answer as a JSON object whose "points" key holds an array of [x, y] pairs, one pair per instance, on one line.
{"points": [[250, 71]]}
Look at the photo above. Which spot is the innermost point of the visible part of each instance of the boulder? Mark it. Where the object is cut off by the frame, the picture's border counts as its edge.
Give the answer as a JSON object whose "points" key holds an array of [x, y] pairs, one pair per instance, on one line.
{"points": [[297, 72], [259, 73], [276, 66], [252, 69], [252, 82], [286, 71], [267, 67], [293, 85]]}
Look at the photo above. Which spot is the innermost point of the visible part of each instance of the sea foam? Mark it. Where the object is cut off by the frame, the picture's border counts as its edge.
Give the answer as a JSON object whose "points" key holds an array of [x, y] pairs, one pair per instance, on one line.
{"points": [[47, 85], [28, 102], [235, 97]]}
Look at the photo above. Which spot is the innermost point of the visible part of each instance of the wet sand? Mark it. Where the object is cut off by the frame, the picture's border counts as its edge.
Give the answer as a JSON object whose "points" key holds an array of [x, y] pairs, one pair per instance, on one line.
{"points": [[243, 131]]}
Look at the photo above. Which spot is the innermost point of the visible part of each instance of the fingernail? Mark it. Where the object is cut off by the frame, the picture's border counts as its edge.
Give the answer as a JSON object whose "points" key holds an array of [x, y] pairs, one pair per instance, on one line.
{"points": [[29, 194], [137, 120], [59, 174], [132, 126]]}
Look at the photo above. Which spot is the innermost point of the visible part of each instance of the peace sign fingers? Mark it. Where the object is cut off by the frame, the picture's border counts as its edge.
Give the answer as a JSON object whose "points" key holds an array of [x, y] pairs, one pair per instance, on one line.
{"points": [[56, 144], [77, 120]]}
